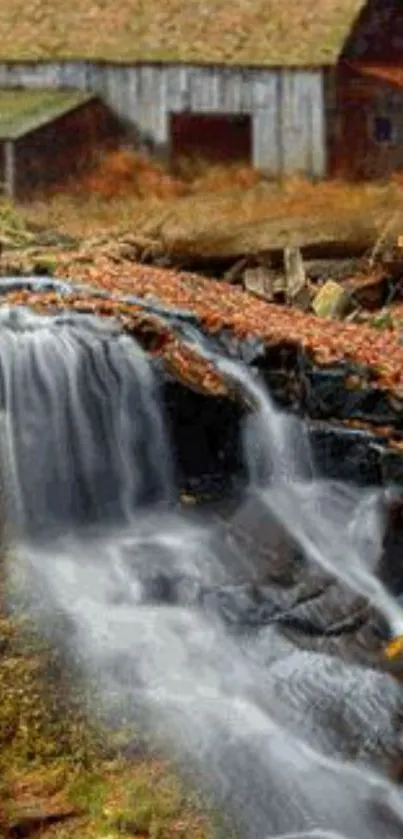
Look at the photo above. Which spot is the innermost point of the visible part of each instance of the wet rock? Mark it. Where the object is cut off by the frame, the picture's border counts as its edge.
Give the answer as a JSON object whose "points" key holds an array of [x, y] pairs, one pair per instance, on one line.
{"points": [[331, 611], [390, 568], [215, 461], [346, 454], [266, 551], [345, 393], [316, 692], [234, 274]]}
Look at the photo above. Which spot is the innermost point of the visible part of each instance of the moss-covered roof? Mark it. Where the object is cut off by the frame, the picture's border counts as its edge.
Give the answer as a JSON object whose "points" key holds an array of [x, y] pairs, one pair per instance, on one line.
{"points": [[243, 32], [22, 111]]}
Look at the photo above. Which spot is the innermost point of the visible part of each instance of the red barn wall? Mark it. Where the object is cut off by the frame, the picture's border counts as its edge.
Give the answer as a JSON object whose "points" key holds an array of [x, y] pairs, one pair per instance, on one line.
{"points": [[377, 35], [367, 137]]}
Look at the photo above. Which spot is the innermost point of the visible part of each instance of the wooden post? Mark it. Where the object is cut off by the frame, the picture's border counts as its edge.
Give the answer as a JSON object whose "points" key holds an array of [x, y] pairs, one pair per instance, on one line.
{"points": [[9, 168]]}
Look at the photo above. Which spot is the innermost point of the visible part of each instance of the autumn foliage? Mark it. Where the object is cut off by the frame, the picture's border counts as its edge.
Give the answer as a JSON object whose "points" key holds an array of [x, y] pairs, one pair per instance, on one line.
{"points": [[124, 173]]}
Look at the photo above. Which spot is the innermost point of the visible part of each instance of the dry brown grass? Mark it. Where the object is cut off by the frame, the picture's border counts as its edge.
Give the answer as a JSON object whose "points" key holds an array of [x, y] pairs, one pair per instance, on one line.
{"points": [[259, 32], [215, 209]]}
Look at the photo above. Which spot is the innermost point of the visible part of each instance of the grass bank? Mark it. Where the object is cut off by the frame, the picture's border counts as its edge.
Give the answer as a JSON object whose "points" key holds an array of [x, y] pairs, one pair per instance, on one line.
{"points": [[62, 774]]}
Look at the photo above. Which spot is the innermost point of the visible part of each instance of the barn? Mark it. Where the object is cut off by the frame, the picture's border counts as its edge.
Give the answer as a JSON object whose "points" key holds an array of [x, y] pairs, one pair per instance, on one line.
{"points": [[47, 135], [368, 127], [291, 87]]}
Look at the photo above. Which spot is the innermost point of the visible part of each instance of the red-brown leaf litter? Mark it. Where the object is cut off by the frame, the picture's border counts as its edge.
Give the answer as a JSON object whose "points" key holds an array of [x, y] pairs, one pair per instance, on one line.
{"points": [[220, 305]]}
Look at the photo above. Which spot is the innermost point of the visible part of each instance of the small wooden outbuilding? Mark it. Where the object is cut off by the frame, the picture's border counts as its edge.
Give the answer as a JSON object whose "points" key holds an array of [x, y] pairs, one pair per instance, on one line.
{"points": [[367, 135], [47, 135]]}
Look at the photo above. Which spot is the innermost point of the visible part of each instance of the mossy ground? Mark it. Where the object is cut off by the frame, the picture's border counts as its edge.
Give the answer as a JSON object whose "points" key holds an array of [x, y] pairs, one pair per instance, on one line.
{"points": [[61, 774]]}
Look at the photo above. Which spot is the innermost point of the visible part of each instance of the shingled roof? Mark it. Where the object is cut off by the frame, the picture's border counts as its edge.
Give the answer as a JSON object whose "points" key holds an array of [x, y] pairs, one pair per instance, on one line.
{"points": [[242, 32]]}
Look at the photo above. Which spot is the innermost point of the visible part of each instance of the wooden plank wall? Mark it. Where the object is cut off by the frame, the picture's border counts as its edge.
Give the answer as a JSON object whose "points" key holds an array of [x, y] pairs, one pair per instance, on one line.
{"points": [[286, 105]]}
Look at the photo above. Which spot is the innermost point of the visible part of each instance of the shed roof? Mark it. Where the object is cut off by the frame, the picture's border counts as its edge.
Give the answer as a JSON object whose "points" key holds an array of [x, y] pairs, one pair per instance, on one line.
{"points": [[240, 32], [23, 111]]}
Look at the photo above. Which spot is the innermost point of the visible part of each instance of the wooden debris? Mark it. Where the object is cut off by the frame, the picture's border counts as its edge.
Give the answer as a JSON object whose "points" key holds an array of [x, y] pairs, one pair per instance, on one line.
{"points": [[264, 283], [297, 287], [331, 301], [235, 274], [369, 290]]}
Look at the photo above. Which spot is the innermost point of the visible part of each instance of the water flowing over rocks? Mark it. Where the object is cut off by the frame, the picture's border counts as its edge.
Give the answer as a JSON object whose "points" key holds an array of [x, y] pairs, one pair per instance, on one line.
{"points": [[248, 633]]}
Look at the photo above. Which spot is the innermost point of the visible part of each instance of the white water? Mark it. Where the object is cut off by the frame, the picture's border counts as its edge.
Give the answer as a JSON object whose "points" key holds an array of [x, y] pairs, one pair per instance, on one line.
{"points": [[63, 374], [286, 740], [338, 526]]}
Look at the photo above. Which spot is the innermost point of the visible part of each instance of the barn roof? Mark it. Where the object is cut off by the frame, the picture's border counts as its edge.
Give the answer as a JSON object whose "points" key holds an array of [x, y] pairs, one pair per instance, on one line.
{"points": [[242, 32], [23, 111]]}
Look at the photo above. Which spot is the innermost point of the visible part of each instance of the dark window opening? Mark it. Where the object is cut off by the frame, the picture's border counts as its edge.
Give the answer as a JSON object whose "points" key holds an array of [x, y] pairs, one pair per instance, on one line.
{"points": [[382, 130], [212, 137]]}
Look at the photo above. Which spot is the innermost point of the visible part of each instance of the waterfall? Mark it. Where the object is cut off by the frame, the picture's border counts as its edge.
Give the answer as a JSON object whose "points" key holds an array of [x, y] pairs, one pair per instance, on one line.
{"points": [[83, 438], [291, 742]]}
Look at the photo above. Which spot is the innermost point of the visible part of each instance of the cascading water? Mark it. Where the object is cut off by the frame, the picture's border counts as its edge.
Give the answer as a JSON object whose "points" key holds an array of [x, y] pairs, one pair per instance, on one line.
{"points": [[337, 526], [292, 743], [61, 374]]}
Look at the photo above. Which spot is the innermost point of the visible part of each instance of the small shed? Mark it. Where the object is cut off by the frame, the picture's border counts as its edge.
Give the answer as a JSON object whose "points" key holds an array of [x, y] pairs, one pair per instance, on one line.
{"points": [[47, 135]]}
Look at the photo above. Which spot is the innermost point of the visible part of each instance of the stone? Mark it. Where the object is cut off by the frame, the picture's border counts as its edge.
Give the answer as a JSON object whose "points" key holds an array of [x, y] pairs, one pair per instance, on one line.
{"points": [[331, 301]]}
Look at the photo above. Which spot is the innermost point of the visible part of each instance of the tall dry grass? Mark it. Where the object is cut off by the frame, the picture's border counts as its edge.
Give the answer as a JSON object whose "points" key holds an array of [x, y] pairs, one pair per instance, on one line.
{"points": [[196, 203]]}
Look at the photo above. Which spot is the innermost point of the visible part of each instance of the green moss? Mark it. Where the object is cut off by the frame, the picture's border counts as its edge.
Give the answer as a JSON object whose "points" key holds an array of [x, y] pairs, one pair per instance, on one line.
{"points": [[52, 751], [259, 32], [22, 111], [41, 712]]}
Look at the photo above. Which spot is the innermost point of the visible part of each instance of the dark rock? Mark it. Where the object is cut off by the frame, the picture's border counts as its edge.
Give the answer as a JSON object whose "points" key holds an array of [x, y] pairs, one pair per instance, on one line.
{"points": [[327, 393], [205, 438], [27, 824], [390, 568], [347, 454]]}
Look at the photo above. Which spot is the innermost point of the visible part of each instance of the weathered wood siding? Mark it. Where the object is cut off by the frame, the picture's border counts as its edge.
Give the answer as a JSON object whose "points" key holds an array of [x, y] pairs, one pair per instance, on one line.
{"points": [[286, 105]]}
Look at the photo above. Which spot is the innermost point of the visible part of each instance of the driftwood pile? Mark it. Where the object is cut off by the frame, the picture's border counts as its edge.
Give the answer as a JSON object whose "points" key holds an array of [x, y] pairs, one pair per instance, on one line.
{"points": [[333, 288]]}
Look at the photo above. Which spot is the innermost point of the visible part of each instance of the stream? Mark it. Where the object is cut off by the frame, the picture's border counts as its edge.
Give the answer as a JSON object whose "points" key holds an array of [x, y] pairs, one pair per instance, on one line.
{"points": [[245, 639]]}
